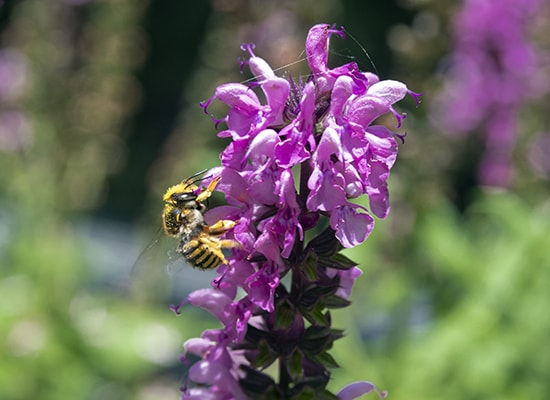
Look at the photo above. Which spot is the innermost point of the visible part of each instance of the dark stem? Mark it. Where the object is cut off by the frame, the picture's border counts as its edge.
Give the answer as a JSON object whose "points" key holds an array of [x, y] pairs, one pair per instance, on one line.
{"points": [[305, 173], [296, 283], [284, 377]]}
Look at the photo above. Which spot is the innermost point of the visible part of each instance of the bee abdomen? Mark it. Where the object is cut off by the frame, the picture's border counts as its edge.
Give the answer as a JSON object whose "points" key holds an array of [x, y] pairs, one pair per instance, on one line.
{"points": [[200, 255]]}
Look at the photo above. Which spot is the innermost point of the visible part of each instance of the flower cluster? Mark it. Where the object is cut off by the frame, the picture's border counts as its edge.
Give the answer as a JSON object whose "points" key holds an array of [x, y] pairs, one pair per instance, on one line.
{"points": [[493, 70], [294, 162]]}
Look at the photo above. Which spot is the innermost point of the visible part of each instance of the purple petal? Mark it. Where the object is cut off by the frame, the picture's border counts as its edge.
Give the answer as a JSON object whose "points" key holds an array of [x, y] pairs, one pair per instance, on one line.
{"points": [[264, 245], [237, 95], [261, 186], [377, 190], [327, 192], [382, 142], [215, 373], [212, 300], [328, 145], [371, 78], [276, 92], [347, 279], [292, 150], [365, 109], [234, 187], [355, 390], [234, 277], [263, 145], [222, 212], [240, 122], [261, 69], [351, 226], [202, 394], [390, 91], [234, 154], [276, 89], [343, 89], [198, 346], [317, 48], [261, 286], [240, 313]]}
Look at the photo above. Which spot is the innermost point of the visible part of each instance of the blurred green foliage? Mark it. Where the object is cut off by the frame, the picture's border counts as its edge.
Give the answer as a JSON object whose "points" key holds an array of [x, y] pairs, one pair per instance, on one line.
{"points": [[463, 315], [99, 113]]}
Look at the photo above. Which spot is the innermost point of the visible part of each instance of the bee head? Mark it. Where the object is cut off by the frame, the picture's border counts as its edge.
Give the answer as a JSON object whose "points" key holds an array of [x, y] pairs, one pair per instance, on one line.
{"points": [[178, 195], [187, 195], [184, 199]]}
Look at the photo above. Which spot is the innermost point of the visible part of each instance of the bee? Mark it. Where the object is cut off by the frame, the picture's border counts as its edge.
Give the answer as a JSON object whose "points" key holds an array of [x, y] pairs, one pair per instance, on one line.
{"points": [[183, 218]]}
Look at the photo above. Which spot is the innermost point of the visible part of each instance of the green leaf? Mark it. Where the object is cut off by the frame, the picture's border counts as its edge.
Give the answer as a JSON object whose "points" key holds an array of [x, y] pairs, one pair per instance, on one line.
{"points": [[316, 340], [256, 384], [337, 333], [312, 295], [317, 317], [326, 360], [338, 261], [336, 302], [295, 365], [325, 244], [314, 332], [310, 266], [284, 315], [255, 335], [266, 356]]}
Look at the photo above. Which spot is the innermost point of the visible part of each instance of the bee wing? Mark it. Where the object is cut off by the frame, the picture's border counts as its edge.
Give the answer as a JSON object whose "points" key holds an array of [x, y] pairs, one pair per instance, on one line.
{"points": [[155, 276], [149, 278]]}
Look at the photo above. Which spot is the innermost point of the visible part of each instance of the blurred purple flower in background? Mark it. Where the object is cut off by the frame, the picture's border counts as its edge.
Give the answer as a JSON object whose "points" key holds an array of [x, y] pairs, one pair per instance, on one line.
{"points": [[13, 74], [15, 129], [293, 165], [493, 70]]}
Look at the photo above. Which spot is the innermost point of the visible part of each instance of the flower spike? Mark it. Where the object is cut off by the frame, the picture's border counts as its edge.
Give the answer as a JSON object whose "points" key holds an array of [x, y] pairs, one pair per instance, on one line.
{"points": [[296, 160]]}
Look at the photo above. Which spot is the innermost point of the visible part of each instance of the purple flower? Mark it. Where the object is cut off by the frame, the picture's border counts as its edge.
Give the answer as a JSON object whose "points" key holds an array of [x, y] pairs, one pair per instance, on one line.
{"points": [[338, 121], [295, 159], [493, 70], [219, 369]]}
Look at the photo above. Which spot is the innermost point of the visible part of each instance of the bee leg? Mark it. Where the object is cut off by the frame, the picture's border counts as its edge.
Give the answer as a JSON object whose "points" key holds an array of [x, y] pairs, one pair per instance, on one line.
{"points": [[229, 244], [208, 191], [219, 227]]}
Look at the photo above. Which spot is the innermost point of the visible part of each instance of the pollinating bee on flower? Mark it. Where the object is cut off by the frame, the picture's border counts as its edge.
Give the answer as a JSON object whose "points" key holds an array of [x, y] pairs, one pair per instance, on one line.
{"points": [[183, 217]]}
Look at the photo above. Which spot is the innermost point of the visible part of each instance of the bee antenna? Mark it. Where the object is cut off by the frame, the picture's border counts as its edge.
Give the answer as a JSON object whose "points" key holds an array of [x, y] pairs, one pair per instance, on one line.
{"points": [[201, 179], [197, 177], [197, 174]]}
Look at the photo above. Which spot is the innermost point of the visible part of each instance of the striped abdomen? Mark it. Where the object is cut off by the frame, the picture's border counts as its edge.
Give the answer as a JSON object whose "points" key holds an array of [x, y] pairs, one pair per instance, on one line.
{"points": [[200, 255]]}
